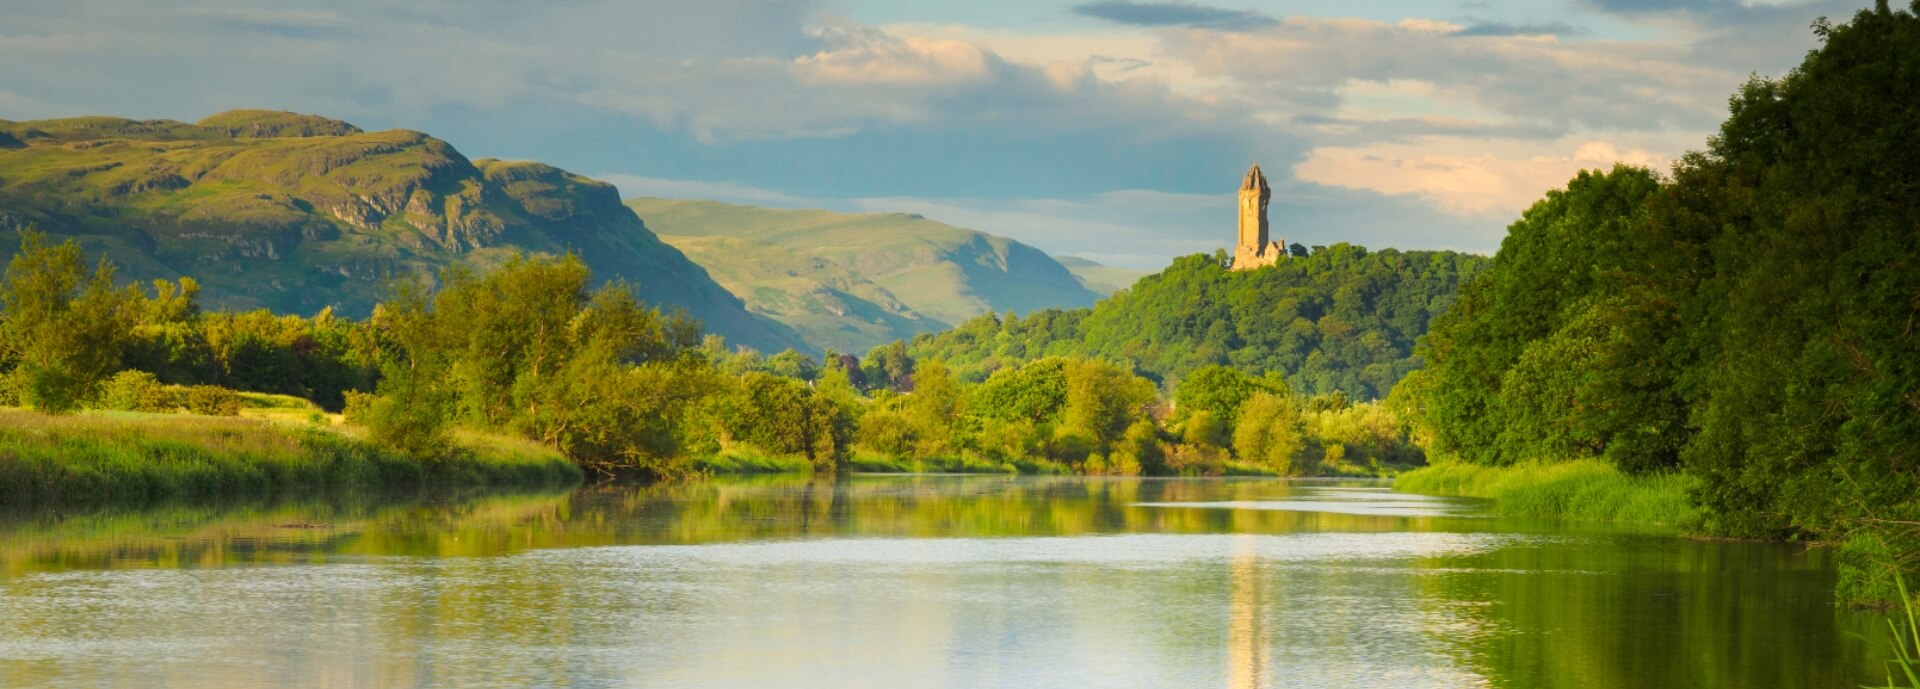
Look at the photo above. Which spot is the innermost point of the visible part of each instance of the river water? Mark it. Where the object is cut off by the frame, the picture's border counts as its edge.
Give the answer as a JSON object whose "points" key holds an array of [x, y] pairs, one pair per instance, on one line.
{"points": [[908, 581]]}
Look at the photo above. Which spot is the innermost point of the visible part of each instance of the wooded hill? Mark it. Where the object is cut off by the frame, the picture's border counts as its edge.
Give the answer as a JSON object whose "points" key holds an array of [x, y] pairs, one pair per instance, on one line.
{"points": [[1343, 319]]}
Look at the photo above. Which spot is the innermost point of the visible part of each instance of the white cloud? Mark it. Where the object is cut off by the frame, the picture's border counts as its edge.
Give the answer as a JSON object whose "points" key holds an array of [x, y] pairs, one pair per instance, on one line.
{"points": [[1465, 178], [873, 58]]}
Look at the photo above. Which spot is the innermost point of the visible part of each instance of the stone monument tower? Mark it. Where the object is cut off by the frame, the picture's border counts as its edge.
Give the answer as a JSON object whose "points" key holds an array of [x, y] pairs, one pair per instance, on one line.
{"points": [[1254, 248]]}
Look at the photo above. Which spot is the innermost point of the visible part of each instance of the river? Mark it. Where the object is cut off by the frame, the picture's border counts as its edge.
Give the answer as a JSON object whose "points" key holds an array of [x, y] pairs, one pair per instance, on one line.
{"points": [[908, 581]]}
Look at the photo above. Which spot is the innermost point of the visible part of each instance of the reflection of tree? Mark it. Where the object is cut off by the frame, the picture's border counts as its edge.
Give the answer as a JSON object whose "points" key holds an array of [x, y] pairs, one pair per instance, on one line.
{"points": [[1646, 611]]}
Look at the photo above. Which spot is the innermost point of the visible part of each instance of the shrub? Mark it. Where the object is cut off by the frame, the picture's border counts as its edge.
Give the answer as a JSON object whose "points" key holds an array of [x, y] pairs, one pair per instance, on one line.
{"points": [[212, 400], [133, 390]]}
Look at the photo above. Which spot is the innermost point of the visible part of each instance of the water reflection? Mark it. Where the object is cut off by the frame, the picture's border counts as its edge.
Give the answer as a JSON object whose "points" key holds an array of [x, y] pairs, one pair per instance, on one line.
{"points": [[904, 581]]}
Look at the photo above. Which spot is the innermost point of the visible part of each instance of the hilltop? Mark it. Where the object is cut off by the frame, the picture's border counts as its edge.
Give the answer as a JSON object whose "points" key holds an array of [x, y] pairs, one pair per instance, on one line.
{"points": [[1344, 320], [850, 281], [298, 212]]}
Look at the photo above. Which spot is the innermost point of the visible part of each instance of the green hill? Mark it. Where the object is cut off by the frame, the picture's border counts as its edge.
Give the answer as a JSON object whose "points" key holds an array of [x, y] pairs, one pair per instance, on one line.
{"points": [[851, 281], [297, 212], [1344, 319], [1100, 277]]}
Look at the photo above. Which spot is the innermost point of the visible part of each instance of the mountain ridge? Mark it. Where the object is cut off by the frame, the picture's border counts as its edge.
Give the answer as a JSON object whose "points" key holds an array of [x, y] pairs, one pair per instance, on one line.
{"points": [[299, 212]]}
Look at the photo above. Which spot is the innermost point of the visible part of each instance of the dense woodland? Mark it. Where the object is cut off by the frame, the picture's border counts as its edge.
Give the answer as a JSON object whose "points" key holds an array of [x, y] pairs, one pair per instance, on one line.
{"points": [[619, 387], [1341, 319], [1748, 320]]}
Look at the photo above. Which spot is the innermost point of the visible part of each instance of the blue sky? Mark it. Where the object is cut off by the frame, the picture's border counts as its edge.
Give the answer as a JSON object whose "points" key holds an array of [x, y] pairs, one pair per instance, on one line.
{"points": [[1111, 129]]}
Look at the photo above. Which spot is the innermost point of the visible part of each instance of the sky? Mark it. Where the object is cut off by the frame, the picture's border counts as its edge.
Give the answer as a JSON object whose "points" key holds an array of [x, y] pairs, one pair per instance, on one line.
{"points": [[1109, 129]]}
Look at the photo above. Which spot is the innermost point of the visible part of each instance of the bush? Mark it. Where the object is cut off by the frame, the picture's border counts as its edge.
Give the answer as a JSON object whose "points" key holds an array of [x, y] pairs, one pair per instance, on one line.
{"points": [[212, 400], [132, 390], [417, 431]]}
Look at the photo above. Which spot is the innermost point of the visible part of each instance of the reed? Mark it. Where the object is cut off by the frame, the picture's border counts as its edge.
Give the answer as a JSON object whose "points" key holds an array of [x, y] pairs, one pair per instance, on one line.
{"points": [[1587, 489], [1904, 666]]}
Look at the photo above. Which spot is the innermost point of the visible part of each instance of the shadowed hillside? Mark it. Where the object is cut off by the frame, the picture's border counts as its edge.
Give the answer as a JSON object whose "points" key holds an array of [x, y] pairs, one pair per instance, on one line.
{"points": [[852, 281]]}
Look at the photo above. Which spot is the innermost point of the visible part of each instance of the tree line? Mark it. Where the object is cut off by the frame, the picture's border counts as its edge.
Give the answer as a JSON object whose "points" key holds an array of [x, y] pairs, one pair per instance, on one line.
{"points": [[535, 348], [1748, 318]]}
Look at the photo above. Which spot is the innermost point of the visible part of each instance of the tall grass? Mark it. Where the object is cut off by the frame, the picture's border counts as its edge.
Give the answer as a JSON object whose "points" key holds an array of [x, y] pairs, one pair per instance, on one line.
{"points": [[1588, 489], [127, 457], [734, 461], [1904, 666]]}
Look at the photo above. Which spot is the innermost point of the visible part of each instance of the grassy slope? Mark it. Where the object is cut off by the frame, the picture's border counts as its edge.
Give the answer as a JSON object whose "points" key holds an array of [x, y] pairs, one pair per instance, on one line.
{"points": [[1100, 277], [123, 456], [851, 281], [296, 212], [1588, 490]]}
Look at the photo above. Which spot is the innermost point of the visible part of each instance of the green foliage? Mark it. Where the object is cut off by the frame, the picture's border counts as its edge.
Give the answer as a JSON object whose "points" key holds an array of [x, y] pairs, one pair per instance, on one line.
{"points": [[61, 328], [1267, 432], [785, 416], [132, 390], [1342, 319], [212, 400], [1103, 400], [1587, 489], [1749, 319], [1903, 669], [1140, 450], [1220, 390], [1555, 351]]}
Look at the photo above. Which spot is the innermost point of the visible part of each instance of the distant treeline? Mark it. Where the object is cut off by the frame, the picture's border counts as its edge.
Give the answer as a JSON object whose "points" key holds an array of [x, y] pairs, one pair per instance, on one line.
{"points": [[1749, 319], [619, 387], [1342, 319]]}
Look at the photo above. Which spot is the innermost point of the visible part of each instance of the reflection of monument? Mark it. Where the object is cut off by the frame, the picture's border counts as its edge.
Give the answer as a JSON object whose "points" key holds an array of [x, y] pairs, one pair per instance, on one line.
{"points": [[1254, 249], [1247, 640]]}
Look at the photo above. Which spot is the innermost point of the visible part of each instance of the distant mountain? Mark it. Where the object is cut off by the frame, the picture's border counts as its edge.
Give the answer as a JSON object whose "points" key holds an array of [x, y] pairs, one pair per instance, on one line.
{"points": [[850, 281], [297, 212], [1100, 277]]}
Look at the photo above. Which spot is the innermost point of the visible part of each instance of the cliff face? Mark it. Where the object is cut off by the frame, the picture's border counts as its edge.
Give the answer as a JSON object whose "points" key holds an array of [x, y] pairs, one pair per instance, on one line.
{"points": [[296, 212]]}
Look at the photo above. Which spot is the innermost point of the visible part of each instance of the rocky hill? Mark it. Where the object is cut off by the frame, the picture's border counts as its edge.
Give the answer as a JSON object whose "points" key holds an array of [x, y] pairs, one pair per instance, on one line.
{"points": [[297, 212], [849, 281]]}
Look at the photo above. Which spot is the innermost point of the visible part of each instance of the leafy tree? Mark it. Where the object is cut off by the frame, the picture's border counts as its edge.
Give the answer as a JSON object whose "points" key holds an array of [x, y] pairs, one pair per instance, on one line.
{"points": [[63, 329], [1268, 431], [1103, 400], [1517, 364], [1219, 391]]}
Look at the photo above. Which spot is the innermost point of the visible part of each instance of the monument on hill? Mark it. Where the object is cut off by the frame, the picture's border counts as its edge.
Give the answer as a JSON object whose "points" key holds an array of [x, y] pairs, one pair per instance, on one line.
{"points": [[1254, 249]]}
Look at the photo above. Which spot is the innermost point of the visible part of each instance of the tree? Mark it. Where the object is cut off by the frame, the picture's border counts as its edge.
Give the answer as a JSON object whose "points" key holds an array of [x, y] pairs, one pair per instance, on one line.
{"points": [[64, 330], [1268, 432], [1219, 391], [1103, 399]]}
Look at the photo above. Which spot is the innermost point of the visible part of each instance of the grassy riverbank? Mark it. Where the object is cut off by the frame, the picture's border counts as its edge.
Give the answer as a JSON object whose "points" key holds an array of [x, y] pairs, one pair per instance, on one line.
{"points": [[1588, 490], [121, 456]]}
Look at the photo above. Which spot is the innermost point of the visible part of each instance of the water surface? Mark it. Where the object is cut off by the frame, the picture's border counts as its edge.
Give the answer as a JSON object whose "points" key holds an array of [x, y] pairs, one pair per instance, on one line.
{"points": [[921, 581]]}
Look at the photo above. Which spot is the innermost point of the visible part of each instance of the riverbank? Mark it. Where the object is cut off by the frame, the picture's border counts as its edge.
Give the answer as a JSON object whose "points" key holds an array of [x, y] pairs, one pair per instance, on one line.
{"points": [[1586, 490], [132, 457]]}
